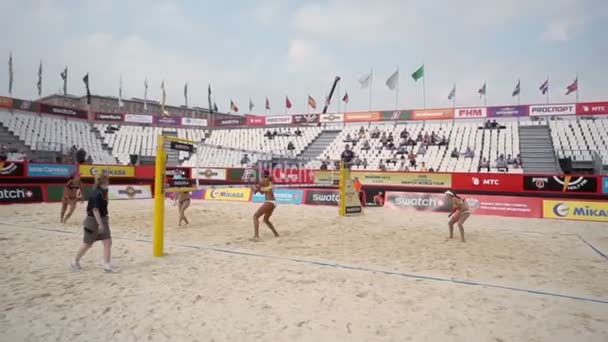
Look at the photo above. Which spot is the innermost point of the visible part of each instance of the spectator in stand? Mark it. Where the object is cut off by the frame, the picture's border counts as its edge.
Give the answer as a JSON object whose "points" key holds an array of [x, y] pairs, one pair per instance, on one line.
{"points": [[411, 142], [376, 133], [366, 146], [362, 134], [455, 153], [290, 146], [403, 134], [401, 150], [357, 161], [298, 132], [434, 138], [379, 199], [412, 158], [403, 166], [402, 142], [275, 133], [422, 150], [365, 163], [348, 138], [501, 163], [323, 165], [469, 153], [245, 160], [431, 170], [347, 156], [510, 160], [484, 164], [381, 166], [419, 137], [423, 167], [390, 137], [390, 146], [444, 141], [494, 124], [361, 130], [488, 124], [517, 163]]}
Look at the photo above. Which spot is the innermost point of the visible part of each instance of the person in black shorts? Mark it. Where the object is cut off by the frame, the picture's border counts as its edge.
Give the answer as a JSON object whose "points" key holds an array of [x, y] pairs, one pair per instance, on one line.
{"points": [[96, 225], [347, 156]]}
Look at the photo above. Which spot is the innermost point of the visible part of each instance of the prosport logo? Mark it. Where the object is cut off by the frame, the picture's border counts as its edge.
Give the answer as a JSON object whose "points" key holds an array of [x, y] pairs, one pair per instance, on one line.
{"points": [[486, 181]]}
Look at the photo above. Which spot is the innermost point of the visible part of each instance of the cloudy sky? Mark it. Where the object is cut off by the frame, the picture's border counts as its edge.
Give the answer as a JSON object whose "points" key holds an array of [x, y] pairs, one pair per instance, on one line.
{"points": [[276, 48]]}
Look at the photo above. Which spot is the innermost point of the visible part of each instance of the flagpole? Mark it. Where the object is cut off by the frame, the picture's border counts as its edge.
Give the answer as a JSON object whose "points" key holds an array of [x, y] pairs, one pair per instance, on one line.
{"points": [[454, 98], [338, 104], [397, 91], [548, 88], [485, 94], [577, 87], [424, 87], [371, 84]]}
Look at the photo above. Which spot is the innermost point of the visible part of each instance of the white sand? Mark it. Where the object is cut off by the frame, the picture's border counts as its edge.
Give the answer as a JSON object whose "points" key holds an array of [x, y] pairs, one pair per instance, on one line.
{"points": [[206, 295]]}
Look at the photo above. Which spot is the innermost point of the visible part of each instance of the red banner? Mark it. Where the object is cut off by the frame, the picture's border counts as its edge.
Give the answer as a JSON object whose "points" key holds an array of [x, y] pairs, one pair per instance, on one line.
{"points": [[63, 111], [144, 171], [505, 206], [433, 114], [362, 116], [255, 120], [292, 175], [488, 182], [592, 108], [6, 102]]}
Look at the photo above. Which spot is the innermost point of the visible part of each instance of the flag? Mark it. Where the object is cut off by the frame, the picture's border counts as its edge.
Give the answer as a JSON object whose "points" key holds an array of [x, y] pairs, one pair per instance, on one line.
{"points": [[544, 88], [10, 73], [211, 110], [146, 93], [85, 79], [215, 109], [452, 93], [572, 87], [120, 104], [345, 98], [267, 104], [163, 98], [418, 73], [482, 90], [311, 102], [393, 80], [517, 89], [233, 106], [64, 77], [327, 100], [365, 80], [186, 93], [287, 103], [40, 79]]}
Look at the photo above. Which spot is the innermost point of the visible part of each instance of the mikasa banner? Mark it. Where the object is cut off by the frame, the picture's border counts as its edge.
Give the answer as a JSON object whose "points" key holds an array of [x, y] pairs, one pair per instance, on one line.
{"points": [[550, 110]]}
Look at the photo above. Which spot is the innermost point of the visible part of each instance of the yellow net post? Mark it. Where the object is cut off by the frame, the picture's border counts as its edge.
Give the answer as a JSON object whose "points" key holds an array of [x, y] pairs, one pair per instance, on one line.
{"points": [[159, 198], [342, 190]]}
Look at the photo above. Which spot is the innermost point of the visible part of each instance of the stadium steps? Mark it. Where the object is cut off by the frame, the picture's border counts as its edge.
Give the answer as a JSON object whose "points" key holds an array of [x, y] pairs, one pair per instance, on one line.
{"points": [[318, 145], [536, 148], [8, 138]]}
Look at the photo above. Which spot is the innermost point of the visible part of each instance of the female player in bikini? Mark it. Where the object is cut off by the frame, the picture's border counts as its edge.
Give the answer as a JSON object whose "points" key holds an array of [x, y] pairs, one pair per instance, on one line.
{"points": [[71, 194], [183, 202], [459, 214], [264, 187]]}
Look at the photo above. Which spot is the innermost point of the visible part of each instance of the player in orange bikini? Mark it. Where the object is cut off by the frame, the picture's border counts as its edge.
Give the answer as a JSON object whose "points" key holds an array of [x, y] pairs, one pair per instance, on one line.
{"points": [[459, 214]]}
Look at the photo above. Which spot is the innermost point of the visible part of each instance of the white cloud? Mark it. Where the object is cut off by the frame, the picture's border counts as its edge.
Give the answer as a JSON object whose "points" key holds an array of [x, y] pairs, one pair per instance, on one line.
{"points": [[266, 12]]}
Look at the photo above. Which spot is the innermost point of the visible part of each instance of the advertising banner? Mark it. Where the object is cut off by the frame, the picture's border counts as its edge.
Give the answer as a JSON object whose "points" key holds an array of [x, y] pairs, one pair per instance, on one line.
{"points": [[138, 118], [194, 122], [576, 210], [362, 116], [70, 112], [605, 185], [236, 121], [12, 169], [255, 120], [488, 182], [114, 171], [409, 179], [51, 170], [329, 118], [6, 102], [586, 184], [286, 196], [278, 120], [301, 119], [550, 110], [293, 175], [326, 177], [395, 115], [228, 194], [183, 172], [114, 117], [127, 192], [470, 113], [10, 194], [592, 108], [322, 197], [433, 114], [212, 174], [417, 201], [26, 105], [166, 120], [54, 192], [508, 111]]}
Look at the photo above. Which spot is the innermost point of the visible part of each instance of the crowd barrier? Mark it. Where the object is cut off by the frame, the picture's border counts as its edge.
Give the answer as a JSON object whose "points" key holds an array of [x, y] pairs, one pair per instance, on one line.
{"points": [[260, 120]]}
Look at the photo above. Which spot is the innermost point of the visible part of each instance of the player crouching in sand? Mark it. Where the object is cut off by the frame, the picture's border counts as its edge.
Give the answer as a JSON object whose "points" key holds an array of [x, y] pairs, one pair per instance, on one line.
{"points": [[96, 225], [459, 214], [264, 187]]}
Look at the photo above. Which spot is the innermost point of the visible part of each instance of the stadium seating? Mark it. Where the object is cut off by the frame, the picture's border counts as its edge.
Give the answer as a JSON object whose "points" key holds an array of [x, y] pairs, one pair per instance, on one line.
{"points": [[575, 137]]}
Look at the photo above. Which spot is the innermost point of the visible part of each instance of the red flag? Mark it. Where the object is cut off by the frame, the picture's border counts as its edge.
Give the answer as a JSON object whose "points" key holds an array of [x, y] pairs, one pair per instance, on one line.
{"points": [[233, 106], [345, 98], [572, 87], [312, 102], [267, 104], [287, 103]]}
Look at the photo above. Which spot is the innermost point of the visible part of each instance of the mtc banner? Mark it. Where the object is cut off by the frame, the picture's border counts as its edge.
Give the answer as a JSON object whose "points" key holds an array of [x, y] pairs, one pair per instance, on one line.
{"points": [[592, 108], [576, 210], [70, 112], [487, 182], [228, 194], [409, 179], [114, 171], [127, 192], [586, 184], [255, 120]]}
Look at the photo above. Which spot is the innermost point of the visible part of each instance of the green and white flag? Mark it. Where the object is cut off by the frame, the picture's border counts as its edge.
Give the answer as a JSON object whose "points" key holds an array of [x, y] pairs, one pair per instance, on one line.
{"points": [[418, 74]]}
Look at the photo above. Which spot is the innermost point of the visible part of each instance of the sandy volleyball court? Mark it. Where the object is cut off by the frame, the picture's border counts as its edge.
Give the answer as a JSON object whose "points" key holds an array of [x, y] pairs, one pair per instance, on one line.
{"points": [[386, 276]]}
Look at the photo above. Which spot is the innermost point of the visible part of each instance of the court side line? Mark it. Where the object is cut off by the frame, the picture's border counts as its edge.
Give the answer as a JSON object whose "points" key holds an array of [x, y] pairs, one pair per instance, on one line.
{"points": [[593, 247], [340, 266]]}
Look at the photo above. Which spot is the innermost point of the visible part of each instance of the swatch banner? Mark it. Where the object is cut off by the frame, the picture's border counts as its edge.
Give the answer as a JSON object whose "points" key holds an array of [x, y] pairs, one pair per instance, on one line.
{"points": [[137, 118], [70, 112], [166, 120], [362, 116], [300, 119], [116, 117], [255, 120], [327, 118], [10, 193], [26, 105], [551, 110], [433, 114], [592, 108], [237, 121], [508, 111], [278, 120], [395, 115], [194, 122], [470, 113]]}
